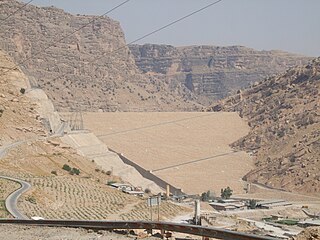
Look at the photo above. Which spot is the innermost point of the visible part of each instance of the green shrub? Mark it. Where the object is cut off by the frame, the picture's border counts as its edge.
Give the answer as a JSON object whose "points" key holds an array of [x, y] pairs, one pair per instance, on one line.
{"points": [[252, 204], [226, 193], [75, 171], [54, 172], [147, 191], [66, 167], [22, 90], [31, 199], [72, 171], [206, 196]]}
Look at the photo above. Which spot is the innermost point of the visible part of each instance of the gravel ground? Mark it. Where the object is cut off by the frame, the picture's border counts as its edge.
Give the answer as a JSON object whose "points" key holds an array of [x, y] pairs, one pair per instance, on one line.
{"points": [[15, 232]]}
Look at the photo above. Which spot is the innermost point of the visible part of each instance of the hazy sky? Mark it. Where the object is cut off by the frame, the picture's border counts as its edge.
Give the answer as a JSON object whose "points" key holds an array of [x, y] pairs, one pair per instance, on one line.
{"points": [[291, 25]]}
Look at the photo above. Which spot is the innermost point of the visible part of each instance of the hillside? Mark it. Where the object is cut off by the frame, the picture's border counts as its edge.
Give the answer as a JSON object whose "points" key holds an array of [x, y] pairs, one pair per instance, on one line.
{"points": [[30, 151], [90, 69], [284, 116], [212, 72]]}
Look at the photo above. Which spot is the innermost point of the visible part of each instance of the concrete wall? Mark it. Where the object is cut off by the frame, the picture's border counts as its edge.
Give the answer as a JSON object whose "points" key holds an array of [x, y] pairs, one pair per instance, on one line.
{"points": [[148, 175]]}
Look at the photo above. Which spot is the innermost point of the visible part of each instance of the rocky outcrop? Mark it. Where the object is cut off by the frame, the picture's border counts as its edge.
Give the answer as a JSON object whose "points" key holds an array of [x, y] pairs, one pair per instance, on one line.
{"points": [[283, 113], [90, 69], [211, 71], [19, 115]]}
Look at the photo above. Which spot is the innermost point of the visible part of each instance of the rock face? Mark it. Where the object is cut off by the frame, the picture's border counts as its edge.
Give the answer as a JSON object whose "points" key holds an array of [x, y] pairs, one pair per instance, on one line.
{"points": [[19, 116], [284, 116], [90, 69], [211, 71]]}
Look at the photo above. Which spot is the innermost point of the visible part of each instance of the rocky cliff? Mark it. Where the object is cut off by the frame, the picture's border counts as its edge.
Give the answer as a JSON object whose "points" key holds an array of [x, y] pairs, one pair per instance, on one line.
{"points": [[211, 71], [90, 69], [284, 115]]}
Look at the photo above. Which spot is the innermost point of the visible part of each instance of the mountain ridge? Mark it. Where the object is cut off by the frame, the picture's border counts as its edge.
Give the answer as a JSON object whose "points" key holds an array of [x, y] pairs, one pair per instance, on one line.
{"points": [[284, 117], [92, 69], [212, 72]]}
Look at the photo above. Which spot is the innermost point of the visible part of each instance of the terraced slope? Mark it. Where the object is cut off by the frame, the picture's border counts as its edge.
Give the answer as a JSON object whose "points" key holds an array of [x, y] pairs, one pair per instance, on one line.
{"points": [[83, 198]]}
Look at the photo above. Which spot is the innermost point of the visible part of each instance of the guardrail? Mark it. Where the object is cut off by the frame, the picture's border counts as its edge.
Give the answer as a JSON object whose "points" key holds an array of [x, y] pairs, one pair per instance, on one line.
{"points": [[111, 225]]}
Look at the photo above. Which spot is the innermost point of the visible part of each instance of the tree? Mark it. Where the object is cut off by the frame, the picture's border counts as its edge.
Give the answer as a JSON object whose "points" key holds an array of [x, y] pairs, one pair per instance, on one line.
{"points": [[226, 193], [206, 196], [252, 204], [66, 167], [147, 191]]}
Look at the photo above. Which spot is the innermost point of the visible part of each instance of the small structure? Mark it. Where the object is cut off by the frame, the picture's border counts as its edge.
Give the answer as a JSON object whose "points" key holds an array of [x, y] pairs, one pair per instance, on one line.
{"points": [[134, 192], [272, 203], [36, 218], [277, 217], [228, 205], [122, 186], [309, 223], [197, 212], [179, 198]]}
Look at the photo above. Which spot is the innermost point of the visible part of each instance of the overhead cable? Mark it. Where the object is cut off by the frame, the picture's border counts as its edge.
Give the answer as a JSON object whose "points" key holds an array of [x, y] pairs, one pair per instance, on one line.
{"points": [[66, 36], [147, 35]]}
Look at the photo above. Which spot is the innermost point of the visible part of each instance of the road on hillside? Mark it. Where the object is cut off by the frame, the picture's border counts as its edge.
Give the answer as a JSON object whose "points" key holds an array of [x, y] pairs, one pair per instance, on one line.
{"points": [[4, 149], [12, 199], [277, 190]]}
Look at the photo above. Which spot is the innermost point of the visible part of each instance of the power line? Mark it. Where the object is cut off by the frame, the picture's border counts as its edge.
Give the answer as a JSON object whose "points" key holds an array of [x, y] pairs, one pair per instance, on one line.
{"points": [[20, 8], [164, 27], [174, 22], [140, 38], [68, 35], [146, 35]]}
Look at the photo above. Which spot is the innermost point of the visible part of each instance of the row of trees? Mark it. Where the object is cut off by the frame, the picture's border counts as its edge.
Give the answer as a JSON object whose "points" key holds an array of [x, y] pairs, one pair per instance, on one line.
{"points": [[225, 193], [72, 171]]}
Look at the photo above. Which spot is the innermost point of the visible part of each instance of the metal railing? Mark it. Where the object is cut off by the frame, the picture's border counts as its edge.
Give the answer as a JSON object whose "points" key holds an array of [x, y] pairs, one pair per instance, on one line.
{"points": [[112, 225]]}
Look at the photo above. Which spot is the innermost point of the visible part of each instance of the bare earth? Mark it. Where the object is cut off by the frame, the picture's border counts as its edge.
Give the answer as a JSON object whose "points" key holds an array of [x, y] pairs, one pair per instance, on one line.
{"points": [[189, 150]]}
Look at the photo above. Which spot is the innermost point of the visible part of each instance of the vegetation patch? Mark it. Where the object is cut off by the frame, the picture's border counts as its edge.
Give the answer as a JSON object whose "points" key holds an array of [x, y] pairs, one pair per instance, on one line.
{"points": [[288, 222], [72, 171], [226, 193]]}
